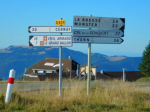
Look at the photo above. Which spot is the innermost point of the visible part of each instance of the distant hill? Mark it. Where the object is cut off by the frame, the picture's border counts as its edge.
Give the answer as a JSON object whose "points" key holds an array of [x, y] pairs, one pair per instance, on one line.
{"points": [[21, 57]]}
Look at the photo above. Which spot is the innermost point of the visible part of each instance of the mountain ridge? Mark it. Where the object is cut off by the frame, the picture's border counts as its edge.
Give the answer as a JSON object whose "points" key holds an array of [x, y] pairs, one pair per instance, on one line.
{"points": [[21, 57]]}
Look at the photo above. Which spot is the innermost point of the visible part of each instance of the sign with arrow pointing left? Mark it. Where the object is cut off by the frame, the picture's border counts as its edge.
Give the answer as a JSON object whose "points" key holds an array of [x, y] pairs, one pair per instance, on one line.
{"points": [[55, 40], [50, 29]]}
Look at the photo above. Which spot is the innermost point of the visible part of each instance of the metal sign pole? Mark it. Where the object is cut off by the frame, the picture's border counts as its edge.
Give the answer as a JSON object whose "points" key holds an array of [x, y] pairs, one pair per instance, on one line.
{"points": [[24, 75], [60, 68], [89, 67]]}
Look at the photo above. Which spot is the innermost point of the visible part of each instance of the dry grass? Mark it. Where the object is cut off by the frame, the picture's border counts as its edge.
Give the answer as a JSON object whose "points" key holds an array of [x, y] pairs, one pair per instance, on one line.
{"points": [[144, 79], [75, 99]]}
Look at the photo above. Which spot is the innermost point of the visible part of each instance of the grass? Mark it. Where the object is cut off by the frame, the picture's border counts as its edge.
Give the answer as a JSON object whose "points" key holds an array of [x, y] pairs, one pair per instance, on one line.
{"points": [[64, 80], [75, 99], [46, 80], [144, 79]]}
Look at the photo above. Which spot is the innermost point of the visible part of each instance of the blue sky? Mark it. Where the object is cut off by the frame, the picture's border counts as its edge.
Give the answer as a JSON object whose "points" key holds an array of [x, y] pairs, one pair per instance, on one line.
{"points": [[17, 15]]}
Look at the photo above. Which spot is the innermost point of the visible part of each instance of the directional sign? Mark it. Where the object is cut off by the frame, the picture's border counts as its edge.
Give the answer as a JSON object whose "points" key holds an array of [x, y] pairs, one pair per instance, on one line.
{"points": [[99, 22], [50, 29], [98, 40], [55, 40], [59, 22], [98, 33]]}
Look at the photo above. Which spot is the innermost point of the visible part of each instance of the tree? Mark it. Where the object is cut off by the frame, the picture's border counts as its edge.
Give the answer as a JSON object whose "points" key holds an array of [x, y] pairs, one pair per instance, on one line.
{"points": [[144, 66]]}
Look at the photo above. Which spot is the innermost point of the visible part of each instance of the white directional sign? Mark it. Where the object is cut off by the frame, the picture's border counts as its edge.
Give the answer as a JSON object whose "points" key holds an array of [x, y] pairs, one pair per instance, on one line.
{"points": [[99, 22], [50, 29], [99, 33], [55, 40], [98, 40]]}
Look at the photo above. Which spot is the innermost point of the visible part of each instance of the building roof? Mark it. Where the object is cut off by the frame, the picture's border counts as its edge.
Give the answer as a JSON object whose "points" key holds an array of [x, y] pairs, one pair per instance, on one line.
{"points": [[130, 75], [51, 64]]}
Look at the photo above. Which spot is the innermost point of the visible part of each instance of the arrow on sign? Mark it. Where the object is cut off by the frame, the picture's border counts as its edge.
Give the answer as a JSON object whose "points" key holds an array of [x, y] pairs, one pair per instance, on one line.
{"points": [[97, 33], [99, 22], [55, 40], [50, 29], [98, 40]]}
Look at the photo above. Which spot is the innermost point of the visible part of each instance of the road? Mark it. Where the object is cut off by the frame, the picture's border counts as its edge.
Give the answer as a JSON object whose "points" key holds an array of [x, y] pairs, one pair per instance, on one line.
{"points": [[35, 86]]}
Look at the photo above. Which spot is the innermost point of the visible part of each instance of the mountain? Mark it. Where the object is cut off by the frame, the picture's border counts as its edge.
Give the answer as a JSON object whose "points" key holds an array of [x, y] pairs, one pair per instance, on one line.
{"points": [[21, 57]]}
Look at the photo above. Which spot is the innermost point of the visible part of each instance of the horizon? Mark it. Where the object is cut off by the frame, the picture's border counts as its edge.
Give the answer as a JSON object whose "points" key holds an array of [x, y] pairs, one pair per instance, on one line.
{"points": [[107, 53]]}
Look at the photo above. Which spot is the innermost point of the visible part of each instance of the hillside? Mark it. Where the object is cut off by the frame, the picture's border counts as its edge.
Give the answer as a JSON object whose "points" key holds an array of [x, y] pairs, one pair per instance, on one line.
{"points": [[21, 57]]}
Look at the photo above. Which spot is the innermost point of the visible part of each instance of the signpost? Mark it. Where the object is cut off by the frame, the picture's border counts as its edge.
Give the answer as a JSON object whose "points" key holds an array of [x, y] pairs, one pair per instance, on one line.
{"points": [[50, 29], [89, 66], [60, 67], [55, 40], [97, 33], [98, 40], [99, 22], [109, 31]]}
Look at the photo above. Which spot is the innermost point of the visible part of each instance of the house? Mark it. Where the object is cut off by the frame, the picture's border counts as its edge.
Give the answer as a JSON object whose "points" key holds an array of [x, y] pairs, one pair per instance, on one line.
{"points": [[83, 71], [130, 75], [49, 69]]}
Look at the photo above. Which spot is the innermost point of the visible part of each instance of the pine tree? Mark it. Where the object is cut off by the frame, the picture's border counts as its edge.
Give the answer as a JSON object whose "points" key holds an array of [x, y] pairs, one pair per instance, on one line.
{"points": [[144, 66]]}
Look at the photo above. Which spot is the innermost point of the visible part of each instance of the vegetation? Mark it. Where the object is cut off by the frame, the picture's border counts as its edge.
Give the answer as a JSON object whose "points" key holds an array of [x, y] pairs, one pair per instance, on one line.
{"points": [[144, 79], [144, 66], [75, 99]]}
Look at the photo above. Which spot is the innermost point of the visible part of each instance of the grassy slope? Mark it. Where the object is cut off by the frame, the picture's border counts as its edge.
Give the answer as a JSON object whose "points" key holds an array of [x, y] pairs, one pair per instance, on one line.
{"points": [[114, 99], [144, 79]]}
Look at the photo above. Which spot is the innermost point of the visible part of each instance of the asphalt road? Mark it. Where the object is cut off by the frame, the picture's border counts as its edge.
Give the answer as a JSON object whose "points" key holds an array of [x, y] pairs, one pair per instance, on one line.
{"points": [[36, 86]]}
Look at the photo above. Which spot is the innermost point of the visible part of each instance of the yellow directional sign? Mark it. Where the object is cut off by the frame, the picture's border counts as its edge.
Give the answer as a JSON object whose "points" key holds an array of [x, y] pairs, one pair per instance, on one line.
{"points": [[59, 22]]}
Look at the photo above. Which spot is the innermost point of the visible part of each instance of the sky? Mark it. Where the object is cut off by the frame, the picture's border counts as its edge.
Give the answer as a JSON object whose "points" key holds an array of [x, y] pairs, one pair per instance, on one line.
{"points": [[17, 15]]}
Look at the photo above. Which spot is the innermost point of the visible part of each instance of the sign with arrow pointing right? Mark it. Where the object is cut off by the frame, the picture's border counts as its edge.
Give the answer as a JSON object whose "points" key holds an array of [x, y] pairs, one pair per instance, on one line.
{"points": [[97, 33], [98, 40], [99, 22]]}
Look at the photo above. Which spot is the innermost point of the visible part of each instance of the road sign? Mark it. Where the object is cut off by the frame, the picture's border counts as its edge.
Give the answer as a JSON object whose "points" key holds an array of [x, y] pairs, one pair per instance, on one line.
{"points": [[99, 22], [98, 33], [59, 22], [98, 40], [50, 29], [55, 40]]}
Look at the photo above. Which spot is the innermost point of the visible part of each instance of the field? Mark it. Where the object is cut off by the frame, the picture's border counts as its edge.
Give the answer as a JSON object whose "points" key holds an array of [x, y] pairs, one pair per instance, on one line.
{"points": [[75, 99]]}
